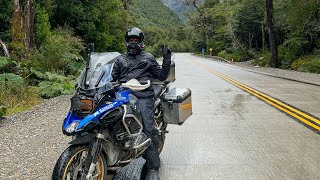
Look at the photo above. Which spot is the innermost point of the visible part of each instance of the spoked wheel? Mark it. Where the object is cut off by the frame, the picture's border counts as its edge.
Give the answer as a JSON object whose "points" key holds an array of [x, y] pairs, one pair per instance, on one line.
{"points": [[71, 166]]}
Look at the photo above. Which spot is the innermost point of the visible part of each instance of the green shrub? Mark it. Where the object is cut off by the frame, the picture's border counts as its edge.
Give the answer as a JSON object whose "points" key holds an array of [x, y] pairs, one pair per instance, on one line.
{"points": [[155, 50], [261, 59], [11, 83], [309, 63], [236, 56], [51, 84], [222, 54], [179, 46], [3, 61], [37, 74], [54, 77], [7, 65], [295, 46], [285, 57], [16, 96], [247, 54], [58, 50], [47, 76], [298, 63], [316, 52], [75, 67], [52, 89], [3, 111], [262, 62], [312, 66]]}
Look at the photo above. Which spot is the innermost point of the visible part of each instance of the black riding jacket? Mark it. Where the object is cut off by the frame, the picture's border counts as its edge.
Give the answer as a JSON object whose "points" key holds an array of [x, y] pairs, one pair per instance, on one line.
{"points": [[142, 67]]}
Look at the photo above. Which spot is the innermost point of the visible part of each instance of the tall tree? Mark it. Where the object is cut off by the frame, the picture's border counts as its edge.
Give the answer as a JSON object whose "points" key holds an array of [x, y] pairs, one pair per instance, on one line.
{"points": [[247, 24], [126, 4], [22, 28], [98, 21], [274, 62], [6, 9], [203, 20]]}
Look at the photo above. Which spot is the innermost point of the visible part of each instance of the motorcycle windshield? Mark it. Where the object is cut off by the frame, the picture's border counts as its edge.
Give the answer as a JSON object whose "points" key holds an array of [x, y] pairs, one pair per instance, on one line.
{"points": [[99, 72]]}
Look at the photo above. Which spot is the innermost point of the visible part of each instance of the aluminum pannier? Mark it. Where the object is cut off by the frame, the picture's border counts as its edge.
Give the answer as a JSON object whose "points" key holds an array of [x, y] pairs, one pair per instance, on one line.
{"points": [[177, 106]]}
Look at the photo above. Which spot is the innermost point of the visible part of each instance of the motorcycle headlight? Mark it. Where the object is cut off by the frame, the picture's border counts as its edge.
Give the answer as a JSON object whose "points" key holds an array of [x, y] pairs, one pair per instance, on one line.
{"points": [[72, 127]]}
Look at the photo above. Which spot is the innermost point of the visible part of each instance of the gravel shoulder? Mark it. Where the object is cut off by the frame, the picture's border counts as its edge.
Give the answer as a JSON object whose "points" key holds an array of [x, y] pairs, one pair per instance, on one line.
{"points": [[32, 141]]}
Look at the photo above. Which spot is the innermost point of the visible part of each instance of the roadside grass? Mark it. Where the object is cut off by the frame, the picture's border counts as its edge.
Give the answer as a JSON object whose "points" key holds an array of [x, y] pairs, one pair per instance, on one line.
{"points": [[235, 56], [309, 63], [20, 101]]}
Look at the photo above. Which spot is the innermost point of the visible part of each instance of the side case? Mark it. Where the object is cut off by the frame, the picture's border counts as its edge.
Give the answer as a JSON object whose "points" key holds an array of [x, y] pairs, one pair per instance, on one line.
{"points": [[177, 106]]}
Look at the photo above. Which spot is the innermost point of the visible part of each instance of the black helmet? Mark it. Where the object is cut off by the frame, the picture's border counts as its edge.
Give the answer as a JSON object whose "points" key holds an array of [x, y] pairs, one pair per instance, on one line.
{"points": [[134, 48]]}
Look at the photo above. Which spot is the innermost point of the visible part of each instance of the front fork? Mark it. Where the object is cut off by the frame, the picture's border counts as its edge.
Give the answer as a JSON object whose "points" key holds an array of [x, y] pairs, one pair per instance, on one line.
{"points": [[94, 151]]}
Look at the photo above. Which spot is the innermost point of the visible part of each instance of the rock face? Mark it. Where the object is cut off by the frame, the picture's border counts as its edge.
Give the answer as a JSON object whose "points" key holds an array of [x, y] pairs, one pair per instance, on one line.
{"points": [[179, 8], [153, 13]]}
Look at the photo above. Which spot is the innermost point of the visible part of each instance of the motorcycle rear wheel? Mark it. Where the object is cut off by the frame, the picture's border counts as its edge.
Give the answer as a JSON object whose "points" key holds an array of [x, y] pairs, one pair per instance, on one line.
{"points": [[70, 164]]}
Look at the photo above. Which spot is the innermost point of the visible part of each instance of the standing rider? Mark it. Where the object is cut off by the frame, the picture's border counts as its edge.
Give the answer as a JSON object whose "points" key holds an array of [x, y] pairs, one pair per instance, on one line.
{"points": [[136, 63]]}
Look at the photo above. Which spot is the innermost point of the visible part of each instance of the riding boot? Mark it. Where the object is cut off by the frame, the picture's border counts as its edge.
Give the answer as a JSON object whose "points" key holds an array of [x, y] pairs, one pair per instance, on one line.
{"points": [[153, 174], [144, 171]]}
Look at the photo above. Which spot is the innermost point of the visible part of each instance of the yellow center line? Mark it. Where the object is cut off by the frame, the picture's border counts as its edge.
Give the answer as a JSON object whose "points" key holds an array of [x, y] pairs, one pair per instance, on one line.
{"points": [[278, 102], [268, 99]]}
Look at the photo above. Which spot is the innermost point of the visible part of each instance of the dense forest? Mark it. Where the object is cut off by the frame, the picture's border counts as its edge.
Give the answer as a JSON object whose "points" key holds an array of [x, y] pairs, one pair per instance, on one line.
{"points": [[42, 42], [239, 30], [160, 25]]}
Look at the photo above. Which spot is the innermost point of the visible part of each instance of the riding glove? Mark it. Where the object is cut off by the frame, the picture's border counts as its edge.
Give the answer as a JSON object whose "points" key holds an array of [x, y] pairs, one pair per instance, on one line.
{"points": [[166, 54]]}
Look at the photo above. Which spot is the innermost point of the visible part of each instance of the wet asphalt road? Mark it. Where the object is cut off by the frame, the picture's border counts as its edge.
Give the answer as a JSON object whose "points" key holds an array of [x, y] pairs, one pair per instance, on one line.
{"points": [[231, 134], [234, 135]]}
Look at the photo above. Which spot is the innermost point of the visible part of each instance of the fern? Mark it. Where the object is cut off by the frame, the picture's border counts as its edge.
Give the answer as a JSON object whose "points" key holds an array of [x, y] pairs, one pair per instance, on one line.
{"points": [[38, 74], [12, 83], [48, 76], [3, 110], [3, 61], [54, 77], [52, 89], [7, 65]]}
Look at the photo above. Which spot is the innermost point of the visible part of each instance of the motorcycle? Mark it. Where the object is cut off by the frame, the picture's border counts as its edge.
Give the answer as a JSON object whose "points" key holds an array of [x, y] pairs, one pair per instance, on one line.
{"points": [[105, 121]]}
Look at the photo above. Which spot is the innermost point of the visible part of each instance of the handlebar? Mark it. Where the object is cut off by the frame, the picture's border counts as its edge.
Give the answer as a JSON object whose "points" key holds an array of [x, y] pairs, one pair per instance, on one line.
{"points": [[115, 83], [143, 83]]}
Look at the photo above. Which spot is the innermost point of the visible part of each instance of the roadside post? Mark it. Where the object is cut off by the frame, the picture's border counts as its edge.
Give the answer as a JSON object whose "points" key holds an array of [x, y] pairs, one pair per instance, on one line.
{"points": [[210, 51]]}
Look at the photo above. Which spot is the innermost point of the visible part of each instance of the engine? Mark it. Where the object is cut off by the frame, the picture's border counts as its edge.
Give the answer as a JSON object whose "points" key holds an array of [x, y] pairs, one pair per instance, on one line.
{"points": [[122, 130]]}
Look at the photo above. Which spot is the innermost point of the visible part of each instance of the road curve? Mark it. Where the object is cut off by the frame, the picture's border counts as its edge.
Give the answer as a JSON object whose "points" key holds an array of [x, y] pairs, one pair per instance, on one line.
{"points": [[234, 135]]}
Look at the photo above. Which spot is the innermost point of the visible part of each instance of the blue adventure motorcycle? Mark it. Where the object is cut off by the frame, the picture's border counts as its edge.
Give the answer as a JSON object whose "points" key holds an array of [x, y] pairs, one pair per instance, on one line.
{"points": [[105, 123]]}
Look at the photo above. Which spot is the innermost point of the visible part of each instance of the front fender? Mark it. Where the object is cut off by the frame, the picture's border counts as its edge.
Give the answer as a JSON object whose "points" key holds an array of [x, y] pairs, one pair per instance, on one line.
{"points": [[85, 139]]}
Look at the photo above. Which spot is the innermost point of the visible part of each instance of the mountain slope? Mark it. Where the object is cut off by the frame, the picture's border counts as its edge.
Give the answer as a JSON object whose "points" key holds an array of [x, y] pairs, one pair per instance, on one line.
{"points": [[178, 8], [153, 13]]}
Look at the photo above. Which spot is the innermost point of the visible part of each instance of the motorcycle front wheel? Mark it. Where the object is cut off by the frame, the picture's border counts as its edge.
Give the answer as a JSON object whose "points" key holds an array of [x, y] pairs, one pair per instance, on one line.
{"points": [[70, 165]]}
